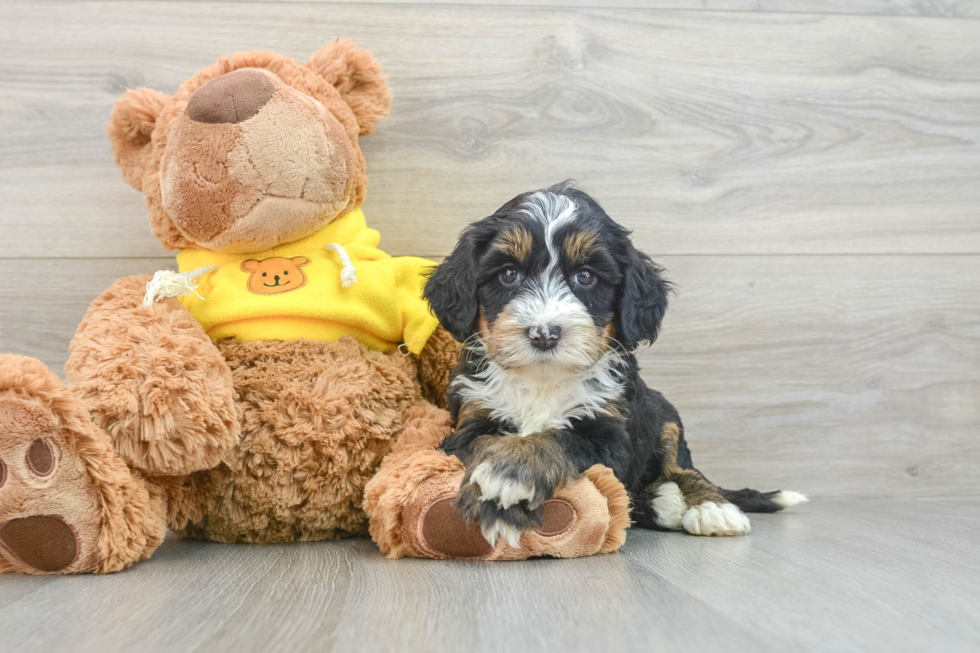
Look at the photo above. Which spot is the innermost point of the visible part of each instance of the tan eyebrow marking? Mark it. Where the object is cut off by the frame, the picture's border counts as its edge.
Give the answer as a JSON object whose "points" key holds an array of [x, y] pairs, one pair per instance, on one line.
{"points": [[579, 245], [515, 242]]}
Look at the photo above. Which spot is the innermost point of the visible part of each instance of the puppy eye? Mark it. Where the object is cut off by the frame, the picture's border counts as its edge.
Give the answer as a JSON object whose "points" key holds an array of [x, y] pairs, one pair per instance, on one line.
{"points": [[285, 272], [585, 278], [263, 274], [509, 277]]}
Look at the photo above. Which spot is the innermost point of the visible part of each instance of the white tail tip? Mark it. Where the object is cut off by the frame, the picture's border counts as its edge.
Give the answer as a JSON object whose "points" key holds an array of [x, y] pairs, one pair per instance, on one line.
{"points": [[788, 498]]}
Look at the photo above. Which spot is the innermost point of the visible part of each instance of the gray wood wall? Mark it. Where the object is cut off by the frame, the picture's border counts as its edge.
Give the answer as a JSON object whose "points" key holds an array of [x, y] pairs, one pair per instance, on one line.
{"points": [[808, 172]]}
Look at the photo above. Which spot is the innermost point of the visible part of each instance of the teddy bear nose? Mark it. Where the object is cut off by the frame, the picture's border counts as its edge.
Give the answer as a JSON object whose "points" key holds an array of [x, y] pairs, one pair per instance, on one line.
{"points": [[232, 98]]}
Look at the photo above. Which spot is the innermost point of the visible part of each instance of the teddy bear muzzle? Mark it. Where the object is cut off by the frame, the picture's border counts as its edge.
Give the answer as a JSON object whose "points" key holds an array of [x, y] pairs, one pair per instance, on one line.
{"points": [[252, 162], [231, 98]]}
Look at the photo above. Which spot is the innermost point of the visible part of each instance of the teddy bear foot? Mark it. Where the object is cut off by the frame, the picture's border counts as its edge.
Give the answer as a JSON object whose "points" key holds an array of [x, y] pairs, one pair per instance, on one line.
{"points": [[67, 504], [413, 514], [442, 530]]}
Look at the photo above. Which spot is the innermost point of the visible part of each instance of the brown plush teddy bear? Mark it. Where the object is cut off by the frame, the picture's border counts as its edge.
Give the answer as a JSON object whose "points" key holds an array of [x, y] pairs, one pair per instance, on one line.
{"points": [[252, 396]]}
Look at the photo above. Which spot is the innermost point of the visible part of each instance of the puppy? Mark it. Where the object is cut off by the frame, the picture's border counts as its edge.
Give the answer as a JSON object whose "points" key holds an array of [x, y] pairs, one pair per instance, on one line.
{"points": [[550, 300]]}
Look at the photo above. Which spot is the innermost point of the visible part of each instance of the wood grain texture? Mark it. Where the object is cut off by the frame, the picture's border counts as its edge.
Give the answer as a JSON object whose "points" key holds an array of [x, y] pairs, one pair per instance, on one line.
{"points": [[836, 375], [934, 8], [833, 576], [707, 132], [839, 376]]}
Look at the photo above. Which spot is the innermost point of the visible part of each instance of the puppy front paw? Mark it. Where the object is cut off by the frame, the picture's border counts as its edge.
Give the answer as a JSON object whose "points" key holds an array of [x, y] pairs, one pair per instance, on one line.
{"points": [[508, 480], [494, 519], [509, 484], [510, 470]]}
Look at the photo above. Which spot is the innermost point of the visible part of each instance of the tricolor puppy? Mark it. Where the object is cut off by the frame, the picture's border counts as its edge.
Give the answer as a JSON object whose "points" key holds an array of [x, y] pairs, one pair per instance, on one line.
{"points": [[551, 299]]}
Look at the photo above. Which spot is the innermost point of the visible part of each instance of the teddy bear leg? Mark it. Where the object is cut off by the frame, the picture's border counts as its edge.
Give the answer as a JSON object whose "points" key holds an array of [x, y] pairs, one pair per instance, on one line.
{"points": [[411, 504], [152, 379], [68, 504]]}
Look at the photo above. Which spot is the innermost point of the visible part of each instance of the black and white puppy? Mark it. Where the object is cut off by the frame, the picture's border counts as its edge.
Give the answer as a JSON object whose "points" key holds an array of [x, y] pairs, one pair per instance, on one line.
{"points": [[551, 299]]}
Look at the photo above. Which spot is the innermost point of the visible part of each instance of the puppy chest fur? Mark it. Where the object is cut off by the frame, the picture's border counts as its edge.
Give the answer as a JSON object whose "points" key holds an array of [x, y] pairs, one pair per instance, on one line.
{"points": [[539, 397]]}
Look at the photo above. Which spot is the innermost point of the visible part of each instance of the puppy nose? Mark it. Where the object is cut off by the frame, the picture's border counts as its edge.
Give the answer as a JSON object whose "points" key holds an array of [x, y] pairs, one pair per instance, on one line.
{"points": [[232, 98], [544, 336], [277, 278]]}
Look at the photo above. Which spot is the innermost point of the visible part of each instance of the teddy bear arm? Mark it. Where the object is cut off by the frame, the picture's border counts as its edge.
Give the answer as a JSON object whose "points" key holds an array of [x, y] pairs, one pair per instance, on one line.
{"points": [[436, 363], [153, 380]]}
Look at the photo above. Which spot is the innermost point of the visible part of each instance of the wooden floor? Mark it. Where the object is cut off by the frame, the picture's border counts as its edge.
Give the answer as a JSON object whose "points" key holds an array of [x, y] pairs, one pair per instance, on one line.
{"points": [[892, 575], [809, 173]]}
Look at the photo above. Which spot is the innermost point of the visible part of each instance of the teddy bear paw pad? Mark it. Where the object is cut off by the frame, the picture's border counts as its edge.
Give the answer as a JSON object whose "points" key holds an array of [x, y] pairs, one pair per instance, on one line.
{"points": [[443, 530], [49, 506], [559, 515], [43, 542]]}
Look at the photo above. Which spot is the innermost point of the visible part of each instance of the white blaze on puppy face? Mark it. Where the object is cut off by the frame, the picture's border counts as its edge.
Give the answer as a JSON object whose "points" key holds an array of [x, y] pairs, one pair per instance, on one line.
{"points": [[578, 377], [547, 299]]}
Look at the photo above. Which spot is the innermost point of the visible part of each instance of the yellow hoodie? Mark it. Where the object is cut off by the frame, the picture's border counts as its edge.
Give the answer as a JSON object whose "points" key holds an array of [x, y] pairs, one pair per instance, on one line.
{"points": [[306, 289]]}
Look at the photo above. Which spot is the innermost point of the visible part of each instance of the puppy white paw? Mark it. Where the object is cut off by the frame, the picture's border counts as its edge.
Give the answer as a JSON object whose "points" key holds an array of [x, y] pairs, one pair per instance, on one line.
{"points": [[669, 506], [499, 528], [503, 489], [712, 518]]}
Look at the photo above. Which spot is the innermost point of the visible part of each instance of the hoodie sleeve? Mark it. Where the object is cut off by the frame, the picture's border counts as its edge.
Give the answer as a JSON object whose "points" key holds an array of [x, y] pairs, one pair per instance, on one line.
{"points": [[418, 322]]}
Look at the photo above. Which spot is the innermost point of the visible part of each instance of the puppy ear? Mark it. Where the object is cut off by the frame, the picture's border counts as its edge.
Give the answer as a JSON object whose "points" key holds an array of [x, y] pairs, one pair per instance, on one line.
{"points": [[357, 77], [643, 302], [451, 288], [251, 265], [133, 119], [300, 261]]}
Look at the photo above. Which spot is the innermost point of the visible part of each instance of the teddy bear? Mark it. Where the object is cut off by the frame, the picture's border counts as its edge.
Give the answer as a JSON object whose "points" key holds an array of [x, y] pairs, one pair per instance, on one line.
{"points": [[287, 383]]}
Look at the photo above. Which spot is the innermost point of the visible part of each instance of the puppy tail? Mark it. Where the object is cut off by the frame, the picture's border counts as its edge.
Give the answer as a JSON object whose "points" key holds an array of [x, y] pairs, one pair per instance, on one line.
{"points": [[755, 501]]}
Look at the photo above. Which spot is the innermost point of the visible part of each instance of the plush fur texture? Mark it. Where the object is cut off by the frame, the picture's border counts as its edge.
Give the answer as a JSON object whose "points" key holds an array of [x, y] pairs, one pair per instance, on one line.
{"points": [[268, 441], [199, 177], [316, 420], [151, 379], [551, 298], [116, 514]]}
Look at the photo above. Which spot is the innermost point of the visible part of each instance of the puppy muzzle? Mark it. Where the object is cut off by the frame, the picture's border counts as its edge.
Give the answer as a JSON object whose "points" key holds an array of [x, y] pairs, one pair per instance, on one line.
{"points": [[544, 336]]}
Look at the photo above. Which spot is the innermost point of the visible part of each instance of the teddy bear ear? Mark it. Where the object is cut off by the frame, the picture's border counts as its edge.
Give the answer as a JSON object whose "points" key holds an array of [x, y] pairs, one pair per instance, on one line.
{"points": [[357, 77], [130, 128]]}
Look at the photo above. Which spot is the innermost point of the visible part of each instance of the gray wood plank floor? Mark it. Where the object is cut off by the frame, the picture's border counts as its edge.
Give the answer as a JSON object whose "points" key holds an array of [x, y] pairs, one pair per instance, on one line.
{"points": [[883, 575]]}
